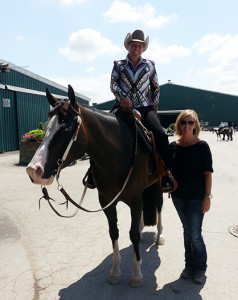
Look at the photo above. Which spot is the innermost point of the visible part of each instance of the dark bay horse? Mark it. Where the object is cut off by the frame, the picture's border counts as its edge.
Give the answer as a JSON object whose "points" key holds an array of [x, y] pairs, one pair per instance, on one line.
{"points": [[110, 143]]}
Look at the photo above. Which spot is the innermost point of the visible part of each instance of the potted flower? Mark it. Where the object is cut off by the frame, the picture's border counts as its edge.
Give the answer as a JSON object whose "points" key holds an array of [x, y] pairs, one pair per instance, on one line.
{"points": [[29, 144]]}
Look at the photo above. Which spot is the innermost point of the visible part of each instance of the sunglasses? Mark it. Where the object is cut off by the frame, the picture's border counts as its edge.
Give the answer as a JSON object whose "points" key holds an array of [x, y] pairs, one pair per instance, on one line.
{"points": [[190, 123]]}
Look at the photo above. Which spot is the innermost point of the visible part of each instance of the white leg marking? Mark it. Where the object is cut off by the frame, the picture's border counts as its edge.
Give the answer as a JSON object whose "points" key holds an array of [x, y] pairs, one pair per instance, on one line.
{"points": [[115, 273], [160, 240], [136, 277]]}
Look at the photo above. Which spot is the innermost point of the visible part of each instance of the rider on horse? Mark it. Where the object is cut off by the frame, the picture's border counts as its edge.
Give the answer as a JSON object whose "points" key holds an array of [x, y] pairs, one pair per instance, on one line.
{"points": [[221, 126], [135, 86]]}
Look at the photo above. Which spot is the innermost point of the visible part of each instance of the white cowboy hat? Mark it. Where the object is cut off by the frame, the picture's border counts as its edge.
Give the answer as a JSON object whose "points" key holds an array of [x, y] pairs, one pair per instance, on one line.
{"points": [[136, 36]]}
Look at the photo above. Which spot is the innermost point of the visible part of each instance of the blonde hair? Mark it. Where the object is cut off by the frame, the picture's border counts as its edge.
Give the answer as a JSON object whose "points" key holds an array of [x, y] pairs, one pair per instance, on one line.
{"points": [[181, 116]]}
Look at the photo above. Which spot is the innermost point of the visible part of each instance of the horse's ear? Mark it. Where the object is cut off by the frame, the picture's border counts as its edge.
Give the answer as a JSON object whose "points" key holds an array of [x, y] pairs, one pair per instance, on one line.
{"points": [[52, 100], [71, 95]]}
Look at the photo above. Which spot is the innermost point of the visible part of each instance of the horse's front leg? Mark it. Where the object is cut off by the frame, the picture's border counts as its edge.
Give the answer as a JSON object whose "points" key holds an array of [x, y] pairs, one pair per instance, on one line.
{"points": [[136, 277], [115, 272], [141, 225]]}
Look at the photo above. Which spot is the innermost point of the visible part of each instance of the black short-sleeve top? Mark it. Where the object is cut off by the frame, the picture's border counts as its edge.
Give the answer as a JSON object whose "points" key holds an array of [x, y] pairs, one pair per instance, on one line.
{"points": [[189, 164]]}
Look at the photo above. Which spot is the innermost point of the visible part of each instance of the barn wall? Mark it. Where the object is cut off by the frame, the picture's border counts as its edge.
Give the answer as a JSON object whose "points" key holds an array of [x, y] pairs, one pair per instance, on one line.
{"points": [[23, 104]]}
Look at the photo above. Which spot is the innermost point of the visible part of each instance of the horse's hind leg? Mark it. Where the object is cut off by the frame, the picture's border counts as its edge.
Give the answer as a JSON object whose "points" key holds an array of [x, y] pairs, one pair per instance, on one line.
{"points": [[160, 240], [136, 277], [115, 272]]}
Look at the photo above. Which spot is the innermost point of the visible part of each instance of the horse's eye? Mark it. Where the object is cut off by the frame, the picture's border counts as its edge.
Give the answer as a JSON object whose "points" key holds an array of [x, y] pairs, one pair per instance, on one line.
{"points": [[68, 128]]}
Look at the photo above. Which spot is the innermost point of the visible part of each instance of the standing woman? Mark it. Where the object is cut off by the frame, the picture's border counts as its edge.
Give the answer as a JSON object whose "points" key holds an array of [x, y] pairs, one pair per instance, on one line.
{"points": [[192, 167]]}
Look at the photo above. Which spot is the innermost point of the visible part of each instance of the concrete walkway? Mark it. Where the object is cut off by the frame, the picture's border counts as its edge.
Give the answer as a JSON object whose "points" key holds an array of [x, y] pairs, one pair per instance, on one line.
{"points": [[43, 256]]}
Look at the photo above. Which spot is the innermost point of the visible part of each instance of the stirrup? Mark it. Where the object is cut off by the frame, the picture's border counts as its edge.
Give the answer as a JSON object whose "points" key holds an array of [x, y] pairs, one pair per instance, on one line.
{"points": [[169, 185]]}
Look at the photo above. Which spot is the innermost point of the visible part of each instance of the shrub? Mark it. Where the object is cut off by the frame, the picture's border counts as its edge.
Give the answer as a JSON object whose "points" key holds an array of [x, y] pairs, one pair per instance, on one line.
{"points": [[36, 135]]}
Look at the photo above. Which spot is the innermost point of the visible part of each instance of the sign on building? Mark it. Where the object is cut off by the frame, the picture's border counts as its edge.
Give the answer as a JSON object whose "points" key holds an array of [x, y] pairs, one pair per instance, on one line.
{"points": [[6, 102]]}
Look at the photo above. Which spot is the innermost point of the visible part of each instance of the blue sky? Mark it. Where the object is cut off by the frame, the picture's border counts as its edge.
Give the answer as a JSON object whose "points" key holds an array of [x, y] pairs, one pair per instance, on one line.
{"points": [[193, 43]]}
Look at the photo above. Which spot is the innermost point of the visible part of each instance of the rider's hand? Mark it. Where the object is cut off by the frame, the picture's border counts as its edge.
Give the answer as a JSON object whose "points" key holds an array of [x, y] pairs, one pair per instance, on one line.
{"points": [[126, 103]]}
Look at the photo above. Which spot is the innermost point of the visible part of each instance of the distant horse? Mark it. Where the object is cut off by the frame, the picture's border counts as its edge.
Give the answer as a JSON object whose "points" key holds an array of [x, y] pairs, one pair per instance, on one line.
{"points": [[224, 131], [115, 164]]}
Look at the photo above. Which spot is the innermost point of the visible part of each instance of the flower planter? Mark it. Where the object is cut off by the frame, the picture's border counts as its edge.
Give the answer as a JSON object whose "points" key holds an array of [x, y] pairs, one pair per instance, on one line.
{"points": [[27, 151]]}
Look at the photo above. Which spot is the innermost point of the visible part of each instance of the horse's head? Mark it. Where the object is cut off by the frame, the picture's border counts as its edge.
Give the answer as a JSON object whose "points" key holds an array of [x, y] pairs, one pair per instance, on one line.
{"points": [[59, 145]]}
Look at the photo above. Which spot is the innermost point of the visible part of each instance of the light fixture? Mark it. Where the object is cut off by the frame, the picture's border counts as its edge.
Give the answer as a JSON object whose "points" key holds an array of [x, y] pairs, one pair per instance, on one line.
{"points": [[4, 67]]}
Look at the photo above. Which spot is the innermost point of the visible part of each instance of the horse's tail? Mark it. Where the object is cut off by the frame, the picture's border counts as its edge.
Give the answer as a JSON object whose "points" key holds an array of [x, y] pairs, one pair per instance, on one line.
{"points": [[152, 202]]}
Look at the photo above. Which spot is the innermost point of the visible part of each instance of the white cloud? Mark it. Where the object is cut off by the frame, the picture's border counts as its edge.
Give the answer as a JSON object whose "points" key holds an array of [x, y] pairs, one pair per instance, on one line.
{"points": [[96, 88], [120, 12], [210, 42], [87, 44], [227, 54], [90, 70], [71, 2], [222, 53], [166, 54], [20, 38], [220, 57]]}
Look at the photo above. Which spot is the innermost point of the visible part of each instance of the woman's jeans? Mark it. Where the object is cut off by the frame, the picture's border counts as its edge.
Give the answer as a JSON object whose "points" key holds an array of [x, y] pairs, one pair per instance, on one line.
{"points": [[191, 216]]}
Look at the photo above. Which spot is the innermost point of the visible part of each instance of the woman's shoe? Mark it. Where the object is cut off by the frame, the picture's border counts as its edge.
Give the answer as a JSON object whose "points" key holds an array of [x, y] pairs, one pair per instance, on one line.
{"points": [[186, 273], [200, 277]]}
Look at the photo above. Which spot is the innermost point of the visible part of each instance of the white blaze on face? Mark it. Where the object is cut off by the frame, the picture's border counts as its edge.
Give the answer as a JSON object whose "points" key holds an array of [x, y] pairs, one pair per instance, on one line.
{"points": [[35, 168]]}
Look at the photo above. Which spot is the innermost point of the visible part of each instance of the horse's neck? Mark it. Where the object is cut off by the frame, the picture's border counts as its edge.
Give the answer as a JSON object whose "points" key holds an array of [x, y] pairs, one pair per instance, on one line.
{"points": [[100, 130]]}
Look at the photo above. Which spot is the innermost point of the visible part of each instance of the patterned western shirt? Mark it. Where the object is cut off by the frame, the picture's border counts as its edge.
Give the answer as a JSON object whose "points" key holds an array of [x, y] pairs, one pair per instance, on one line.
{"points": [[138, 83]]}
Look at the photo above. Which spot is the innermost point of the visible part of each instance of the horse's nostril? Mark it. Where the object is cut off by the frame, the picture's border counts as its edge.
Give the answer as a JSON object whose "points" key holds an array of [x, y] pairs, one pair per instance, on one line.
{"points": [[31, 179]]}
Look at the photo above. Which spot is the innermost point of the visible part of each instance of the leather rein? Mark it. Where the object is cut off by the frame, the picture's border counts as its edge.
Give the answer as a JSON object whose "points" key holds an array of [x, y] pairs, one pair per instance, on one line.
{"points": [[60, 163]]}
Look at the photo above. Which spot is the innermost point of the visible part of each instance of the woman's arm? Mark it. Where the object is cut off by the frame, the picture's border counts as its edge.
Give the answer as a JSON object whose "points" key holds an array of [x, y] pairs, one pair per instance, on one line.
{"points": [[115, 83], [206, 202]]}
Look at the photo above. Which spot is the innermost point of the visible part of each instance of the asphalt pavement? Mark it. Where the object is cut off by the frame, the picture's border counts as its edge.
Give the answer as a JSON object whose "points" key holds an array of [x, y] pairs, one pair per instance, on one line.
{"points": [[43, 256]]}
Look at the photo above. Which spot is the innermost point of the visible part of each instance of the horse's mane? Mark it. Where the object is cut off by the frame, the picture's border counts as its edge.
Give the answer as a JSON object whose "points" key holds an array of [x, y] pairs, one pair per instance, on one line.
{"points": [[55, 109], [96, 110]]}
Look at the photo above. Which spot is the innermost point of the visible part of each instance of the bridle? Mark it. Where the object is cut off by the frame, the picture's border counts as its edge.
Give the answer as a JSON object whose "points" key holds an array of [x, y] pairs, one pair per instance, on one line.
{"points": [[60, 163]]}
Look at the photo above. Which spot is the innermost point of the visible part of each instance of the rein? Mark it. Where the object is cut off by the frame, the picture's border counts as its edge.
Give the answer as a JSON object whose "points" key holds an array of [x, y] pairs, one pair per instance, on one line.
{"points": [[60, 163]]}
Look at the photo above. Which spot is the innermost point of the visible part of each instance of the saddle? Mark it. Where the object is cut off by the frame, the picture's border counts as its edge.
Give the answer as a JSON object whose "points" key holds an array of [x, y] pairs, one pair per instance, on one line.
{"points": [[133, 118], [147, 141]]}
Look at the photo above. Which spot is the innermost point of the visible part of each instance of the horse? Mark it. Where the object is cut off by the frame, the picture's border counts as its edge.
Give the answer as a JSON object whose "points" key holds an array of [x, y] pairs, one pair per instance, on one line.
{"points": [[118, 163], [224, 131]]}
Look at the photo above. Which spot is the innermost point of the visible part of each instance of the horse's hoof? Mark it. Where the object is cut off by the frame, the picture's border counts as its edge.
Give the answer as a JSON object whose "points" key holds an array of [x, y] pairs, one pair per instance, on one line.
{"points": [[160, 240], [114, 279], [136, 282]]}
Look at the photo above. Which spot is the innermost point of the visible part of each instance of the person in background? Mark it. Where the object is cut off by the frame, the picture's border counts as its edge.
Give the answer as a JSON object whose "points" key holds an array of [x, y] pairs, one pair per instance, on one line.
{"points": [[221, 126], [231, 130], [192, 166], [134, 85]]}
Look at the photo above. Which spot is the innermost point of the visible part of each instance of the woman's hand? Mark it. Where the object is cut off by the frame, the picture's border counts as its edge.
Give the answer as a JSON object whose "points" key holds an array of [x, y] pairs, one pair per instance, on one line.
{"points": [[126, 103], [206, 204]]}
